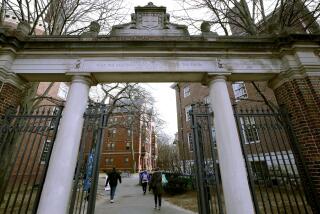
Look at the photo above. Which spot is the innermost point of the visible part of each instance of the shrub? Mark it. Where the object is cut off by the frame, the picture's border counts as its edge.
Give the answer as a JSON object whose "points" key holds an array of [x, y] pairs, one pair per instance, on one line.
{"points": [[177, 184]]}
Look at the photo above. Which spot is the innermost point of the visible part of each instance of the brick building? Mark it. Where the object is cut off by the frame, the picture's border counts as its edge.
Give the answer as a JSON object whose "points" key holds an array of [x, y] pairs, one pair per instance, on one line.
{"points": [[130, 141], [242, 95]]}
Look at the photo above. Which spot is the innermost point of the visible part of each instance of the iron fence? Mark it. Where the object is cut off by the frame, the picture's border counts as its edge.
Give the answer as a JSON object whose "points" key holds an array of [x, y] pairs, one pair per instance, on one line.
{"points": [[272, 160], [206, 166], [26, 140], [87, 171]]}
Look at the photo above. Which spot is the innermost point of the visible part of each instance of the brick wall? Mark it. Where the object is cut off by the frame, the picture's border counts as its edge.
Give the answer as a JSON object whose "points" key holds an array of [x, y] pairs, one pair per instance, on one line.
{"points": [[301, 97], [199, 92], [10, 96], [118, 142]]}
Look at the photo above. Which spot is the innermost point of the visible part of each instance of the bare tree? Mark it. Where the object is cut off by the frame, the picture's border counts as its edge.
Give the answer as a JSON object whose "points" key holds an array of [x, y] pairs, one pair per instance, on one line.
{"points": [[252, 17], [126, 99], [168, 155], [58, 17]]}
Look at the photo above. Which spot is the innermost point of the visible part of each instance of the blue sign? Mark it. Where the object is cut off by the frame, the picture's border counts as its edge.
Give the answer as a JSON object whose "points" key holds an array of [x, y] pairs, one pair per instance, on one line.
{"points": [[89, 172]]}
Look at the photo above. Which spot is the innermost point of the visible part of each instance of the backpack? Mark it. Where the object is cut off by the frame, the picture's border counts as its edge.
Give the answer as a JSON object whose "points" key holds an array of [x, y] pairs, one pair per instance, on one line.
{"points": [[145, 177]]}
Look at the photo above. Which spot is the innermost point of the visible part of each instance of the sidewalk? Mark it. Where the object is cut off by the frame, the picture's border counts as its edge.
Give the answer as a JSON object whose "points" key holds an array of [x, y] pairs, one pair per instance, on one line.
{"points": [[129, 199]]}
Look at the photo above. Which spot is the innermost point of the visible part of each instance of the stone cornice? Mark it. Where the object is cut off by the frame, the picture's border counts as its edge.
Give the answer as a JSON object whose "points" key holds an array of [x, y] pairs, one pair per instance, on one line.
{"points": [[184, 43], [291, 74], [13, 79]]}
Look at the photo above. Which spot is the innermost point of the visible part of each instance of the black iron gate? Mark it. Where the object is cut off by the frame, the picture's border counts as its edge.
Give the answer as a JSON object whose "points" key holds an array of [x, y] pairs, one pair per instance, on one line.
{"points": [[26, 140], [206, 168], [276, 172], [87, 171]]}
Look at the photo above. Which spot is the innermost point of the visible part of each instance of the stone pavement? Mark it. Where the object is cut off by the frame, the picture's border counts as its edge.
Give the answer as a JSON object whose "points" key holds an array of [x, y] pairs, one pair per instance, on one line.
{"points": [[129, 199]]}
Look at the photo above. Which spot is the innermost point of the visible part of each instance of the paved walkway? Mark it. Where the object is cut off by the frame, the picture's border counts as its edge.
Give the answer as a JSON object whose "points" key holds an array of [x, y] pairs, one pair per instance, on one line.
{"points": [[130, 200]]}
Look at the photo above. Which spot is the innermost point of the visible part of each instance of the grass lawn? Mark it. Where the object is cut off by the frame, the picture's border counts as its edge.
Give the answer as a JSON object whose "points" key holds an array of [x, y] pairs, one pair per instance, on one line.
{"points": [[188, 201]]}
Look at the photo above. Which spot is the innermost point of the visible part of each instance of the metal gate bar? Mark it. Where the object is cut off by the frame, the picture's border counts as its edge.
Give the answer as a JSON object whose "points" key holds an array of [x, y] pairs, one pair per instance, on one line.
{"points": [[209, 190], [271, 161], [24, 162], [87, 174]]}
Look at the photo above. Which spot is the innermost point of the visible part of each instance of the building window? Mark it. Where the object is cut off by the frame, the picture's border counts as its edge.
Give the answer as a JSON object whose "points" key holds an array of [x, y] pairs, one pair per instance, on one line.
{"points": [[187, 110], [190, 142], [129, 133], [112, 146], [126, 160], [249, 130], [127, 146], [45, 151], [206, 100], [109, 161], [239, 90], [112, 133], [186, 91], [63, 91]]}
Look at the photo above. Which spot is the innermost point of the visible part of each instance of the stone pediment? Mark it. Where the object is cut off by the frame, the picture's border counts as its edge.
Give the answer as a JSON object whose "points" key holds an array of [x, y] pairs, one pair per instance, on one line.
{"points": [[149, 20]]}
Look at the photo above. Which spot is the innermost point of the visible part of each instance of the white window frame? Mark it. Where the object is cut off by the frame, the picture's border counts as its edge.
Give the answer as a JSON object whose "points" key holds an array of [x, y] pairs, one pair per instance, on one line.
{"points": [[186, 91], [190, 142], [128, 146], [239, 90], [63, 91], [45, 151], [248, 123], [206, 100], [187, 109]]}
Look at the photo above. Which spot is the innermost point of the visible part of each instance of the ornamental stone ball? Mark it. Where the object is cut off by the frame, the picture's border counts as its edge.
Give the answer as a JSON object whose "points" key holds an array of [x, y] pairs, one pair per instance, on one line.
{"points": [[94, 27], [24, 27], [205, 26]]}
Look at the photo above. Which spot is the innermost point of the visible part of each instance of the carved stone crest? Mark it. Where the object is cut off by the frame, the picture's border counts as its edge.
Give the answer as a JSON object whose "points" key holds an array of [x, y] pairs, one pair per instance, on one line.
{"points": [[149, 20]]}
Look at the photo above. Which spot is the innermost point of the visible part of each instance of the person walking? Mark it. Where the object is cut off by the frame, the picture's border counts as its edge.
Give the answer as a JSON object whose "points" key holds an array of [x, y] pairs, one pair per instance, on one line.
{"points": [[156, 185], [144, 178], [112, 179]]}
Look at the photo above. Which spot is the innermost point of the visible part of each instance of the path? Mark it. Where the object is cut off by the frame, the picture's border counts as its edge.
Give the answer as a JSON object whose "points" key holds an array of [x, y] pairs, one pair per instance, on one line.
{"points": [[129, 199]]}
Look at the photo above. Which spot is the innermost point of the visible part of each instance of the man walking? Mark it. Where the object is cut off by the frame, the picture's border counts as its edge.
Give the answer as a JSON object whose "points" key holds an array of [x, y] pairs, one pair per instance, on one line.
{"points": [[112, 179]]}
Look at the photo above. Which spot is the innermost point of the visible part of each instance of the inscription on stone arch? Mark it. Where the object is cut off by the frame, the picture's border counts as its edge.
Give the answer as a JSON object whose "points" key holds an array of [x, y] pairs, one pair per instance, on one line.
{"points": [[150, 20]]}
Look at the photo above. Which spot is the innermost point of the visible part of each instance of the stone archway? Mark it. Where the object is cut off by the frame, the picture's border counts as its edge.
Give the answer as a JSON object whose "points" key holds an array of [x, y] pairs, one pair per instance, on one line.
{"points": [[151, 49]]}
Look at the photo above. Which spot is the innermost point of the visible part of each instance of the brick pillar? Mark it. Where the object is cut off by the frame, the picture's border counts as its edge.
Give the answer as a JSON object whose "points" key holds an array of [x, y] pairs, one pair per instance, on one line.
{"points": [[301, 97], [10, 96]]}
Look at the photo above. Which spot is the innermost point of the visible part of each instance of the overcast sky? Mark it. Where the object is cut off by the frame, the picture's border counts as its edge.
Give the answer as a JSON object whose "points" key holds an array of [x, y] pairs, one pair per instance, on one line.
{"points": [[165, 105]]}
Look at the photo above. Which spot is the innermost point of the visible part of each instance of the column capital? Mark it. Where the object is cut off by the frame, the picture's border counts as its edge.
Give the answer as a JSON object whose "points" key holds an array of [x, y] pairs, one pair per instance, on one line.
{"points": [[210, 77], [82, 79], [85, 78]]}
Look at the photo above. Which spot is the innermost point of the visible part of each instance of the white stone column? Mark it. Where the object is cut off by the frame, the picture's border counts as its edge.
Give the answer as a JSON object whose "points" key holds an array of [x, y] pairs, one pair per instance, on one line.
{"points": [[58, 184], [233, 172]]}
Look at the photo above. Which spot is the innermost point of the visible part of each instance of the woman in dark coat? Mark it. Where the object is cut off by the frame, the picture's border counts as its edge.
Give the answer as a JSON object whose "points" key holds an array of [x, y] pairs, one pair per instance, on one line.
{"points": [[156, 185]]}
